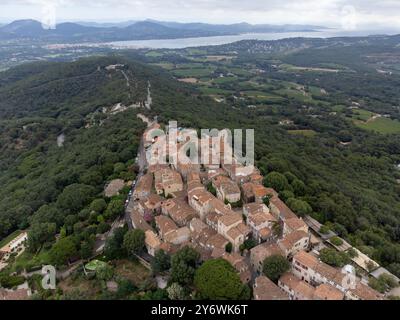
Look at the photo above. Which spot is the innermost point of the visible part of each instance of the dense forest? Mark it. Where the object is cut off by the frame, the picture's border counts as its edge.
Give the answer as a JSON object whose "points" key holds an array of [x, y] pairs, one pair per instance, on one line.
{"points": [[41, 102], [355, 187], [348, 175]]}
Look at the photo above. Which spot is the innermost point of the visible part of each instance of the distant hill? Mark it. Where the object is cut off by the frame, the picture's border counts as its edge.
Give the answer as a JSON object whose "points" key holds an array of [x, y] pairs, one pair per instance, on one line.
{"points": [[23, 28], [239, 27], [106, 24], [143, 30]]}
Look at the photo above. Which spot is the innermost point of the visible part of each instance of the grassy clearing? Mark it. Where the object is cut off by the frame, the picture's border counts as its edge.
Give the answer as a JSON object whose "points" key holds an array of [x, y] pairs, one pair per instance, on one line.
{"points": [[189, 80], [224, 80], [132, 271], [368, 120], [95, 264], [154, 54], [333, 66], [305, 133], [381, 125], [292, 68], [11, 237], [263, 96], [80, 284], [194, 51], [259, 94], [218, 58], [214, 91], [31, 261], [254, 85], [294, 94], [240, 72], [362, 115], [164, 65], [317, 92], [339, 108], [191, 66], [193, 73]]}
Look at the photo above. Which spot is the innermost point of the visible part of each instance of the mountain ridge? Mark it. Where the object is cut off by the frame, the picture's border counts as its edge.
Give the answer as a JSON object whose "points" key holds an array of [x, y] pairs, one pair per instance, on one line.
{"points": [[140, 30]]}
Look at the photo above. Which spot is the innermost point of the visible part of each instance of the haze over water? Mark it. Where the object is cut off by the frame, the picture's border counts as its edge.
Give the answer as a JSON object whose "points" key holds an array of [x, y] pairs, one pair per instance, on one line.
{"points": [[220, 40]]}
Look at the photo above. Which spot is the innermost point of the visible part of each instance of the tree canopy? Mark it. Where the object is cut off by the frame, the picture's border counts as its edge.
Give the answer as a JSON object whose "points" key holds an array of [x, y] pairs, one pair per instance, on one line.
{"points": [[218, 280], [134, 241], [161, 262], [183, 266], [334, 258], [62, 250], [275, 266]]}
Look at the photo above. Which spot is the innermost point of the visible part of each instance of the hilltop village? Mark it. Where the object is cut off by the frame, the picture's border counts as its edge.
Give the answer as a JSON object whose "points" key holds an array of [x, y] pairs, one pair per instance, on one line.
{"points": [[222, 211], [225, 211]]}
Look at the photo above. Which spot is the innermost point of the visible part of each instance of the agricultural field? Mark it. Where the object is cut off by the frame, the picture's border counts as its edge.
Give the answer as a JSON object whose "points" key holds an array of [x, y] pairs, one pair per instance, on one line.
{"points": [[305, 133], [154, 54], [164, 65], [263, 96], [224, 76], [362, 115], [193, 72], [381, 125], [189, 80], [222, 80], [292, 68], [375, 122], [218, 58], [214, 91]]}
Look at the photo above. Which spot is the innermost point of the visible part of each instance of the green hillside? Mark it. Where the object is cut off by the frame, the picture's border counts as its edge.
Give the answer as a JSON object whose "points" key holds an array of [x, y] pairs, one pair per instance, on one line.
{"points": [[353, 189]]}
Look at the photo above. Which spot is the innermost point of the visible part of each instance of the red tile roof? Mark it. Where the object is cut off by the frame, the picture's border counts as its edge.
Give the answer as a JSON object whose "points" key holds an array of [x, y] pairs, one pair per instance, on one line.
{"points": [[328, 292], [265, 289]]}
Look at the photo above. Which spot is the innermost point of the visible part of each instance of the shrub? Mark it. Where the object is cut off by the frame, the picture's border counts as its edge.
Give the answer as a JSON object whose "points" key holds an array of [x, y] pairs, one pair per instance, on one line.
{"points": [[337, 241], [218, 280], [275, 266], [324, 230]]}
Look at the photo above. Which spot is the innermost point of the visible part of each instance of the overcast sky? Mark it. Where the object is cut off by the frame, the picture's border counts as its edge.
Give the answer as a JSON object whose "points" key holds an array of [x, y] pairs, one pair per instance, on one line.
{"points": [[347, 14]]}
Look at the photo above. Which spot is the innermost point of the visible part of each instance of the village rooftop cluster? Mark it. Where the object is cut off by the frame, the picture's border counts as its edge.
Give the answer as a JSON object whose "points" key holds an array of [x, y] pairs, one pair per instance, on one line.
{"points": [[217, 208]]}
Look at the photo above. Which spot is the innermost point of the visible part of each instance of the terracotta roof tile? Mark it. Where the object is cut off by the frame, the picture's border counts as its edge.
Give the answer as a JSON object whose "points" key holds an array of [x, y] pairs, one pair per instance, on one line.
{"points": [[292, 238], [165, 225], [230, 219], [303, 290], [328, 292], [365, 292], [265, 289], [283, 209], [152, 239], [296, 224]]}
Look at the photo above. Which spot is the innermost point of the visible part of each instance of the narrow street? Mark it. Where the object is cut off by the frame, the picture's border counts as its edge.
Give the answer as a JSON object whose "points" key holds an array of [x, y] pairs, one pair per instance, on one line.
{"points": [[142, 163], [149, 98]]}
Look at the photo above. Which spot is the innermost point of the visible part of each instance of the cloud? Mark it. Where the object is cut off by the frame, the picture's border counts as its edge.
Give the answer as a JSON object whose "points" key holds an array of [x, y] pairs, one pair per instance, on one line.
{"points": [[349, 14]]}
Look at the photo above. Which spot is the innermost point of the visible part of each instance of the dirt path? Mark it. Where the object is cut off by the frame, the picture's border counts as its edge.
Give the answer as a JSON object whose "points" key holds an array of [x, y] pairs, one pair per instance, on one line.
{"points": [[128, 84], [149, 101], [145, 119]]}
